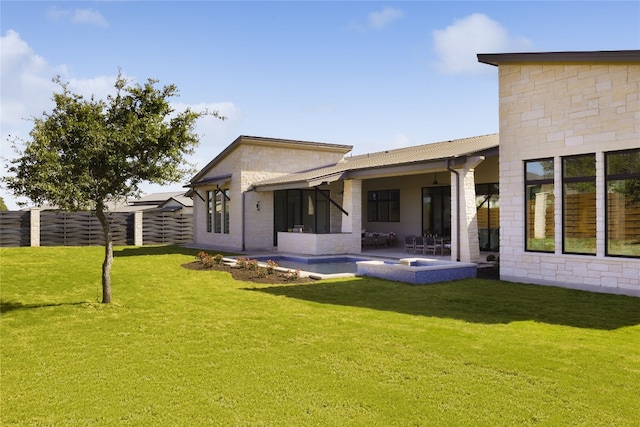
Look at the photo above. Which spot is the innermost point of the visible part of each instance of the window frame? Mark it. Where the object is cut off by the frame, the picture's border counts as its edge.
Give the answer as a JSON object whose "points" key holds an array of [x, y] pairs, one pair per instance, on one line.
{"points": [[607, 179], [591, 179], [531, 182], [218, 223], [376, 205]]}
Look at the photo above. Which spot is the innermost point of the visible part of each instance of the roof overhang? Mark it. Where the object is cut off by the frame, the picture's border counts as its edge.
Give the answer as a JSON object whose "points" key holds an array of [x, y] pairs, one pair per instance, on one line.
{"points": [[563, 57], [214, 181], [300, 184]]}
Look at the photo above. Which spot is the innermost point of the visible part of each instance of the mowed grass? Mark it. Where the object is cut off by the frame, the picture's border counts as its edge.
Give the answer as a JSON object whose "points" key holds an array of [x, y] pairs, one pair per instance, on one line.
{"points": [[182, 347]]}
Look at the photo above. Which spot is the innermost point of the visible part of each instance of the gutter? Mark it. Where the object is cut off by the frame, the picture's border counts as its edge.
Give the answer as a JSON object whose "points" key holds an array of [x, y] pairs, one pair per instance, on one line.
{"points": [[450, 169]]}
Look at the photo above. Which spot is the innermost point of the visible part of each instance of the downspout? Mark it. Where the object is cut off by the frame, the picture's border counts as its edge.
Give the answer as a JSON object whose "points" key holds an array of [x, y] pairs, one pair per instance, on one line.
{"points": [[243, 220], [450, 169]]}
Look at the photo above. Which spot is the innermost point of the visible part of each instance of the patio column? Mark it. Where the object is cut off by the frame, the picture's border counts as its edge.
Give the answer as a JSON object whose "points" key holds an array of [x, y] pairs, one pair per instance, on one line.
{"points": [[352, 204], [465, 192]]}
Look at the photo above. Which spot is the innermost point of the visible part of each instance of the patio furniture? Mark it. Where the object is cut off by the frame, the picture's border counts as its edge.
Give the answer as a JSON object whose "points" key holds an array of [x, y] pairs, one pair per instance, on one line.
{"points": [[430, 246], [443, 244], [409, 243], [368, 240], [419, 246]]}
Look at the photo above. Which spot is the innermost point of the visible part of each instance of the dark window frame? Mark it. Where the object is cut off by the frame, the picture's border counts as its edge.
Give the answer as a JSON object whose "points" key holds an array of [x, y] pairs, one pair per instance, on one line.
{"points": [[607, 179], [528, 182], [581, 179], [376, 202]]}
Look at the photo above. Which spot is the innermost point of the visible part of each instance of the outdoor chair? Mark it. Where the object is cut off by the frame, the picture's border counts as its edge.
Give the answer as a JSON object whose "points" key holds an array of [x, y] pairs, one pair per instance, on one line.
{"points": [[381, 240], [368, 241], [419, 245], [430, 246], [409, 244]]}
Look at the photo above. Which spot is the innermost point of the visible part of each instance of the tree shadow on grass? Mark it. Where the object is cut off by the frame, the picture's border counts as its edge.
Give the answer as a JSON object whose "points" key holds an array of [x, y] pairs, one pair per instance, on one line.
{"points": [[154, 250], [477, 301], [9, 306]]}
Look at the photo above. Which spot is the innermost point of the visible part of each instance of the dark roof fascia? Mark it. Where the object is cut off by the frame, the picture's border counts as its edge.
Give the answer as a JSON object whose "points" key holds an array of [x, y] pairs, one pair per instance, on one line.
{"points": [[560, 57], [222, 179], [269, 141], [302, 183]]}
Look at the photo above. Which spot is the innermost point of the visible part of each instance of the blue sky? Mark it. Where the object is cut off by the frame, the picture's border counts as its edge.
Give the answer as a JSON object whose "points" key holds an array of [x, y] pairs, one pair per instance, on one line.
{"points": [[374, 75]]}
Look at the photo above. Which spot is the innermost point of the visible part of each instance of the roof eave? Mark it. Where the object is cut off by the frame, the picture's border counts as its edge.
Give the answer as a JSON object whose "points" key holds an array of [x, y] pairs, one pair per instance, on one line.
{"points": [[621, 56]]}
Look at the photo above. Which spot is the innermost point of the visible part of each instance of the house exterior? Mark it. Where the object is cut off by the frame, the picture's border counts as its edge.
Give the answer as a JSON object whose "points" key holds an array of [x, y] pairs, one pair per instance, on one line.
{"points": [[258, 191], [570, 163], [557, 191]]}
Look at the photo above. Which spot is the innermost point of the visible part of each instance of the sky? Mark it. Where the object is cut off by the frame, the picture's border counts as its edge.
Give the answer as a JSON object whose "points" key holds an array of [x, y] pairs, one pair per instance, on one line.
{"points": [[373, 75]]}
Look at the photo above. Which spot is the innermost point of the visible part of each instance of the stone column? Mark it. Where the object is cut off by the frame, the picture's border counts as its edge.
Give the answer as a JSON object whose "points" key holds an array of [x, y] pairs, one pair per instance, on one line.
{"points": [[469, 248], [540, 219], [137, 228], [34, 227]]}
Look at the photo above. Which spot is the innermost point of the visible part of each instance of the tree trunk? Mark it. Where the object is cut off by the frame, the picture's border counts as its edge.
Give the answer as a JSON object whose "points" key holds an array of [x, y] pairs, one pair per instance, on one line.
{"points": [[108, 254]]}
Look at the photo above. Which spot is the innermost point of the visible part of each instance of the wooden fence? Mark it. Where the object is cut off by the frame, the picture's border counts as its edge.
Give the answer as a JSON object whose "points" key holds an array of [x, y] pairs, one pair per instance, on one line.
{"points": [[57, 228]]}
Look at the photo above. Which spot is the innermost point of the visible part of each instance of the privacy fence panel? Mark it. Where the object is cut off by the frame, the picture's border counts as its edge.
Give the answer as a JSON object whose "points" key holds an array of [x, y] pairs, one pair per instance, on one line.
{"points": [[83, 229], [166, 227], [59, 228], [15, 228]]}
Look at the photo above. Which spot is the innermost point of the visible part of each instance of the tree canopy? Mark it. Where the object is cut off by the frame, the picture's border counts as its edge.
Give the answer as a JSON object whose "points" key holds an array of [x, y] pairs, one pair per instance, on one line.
{"points": [[86, 152]]}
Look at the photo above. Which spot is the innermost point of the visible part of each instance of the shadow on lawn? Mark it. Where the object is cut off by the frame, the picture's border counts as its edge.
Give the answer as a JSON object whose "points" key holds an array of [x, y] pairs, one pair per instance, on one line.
{"points": [[477, 301], [154, 250], [8, 306]]}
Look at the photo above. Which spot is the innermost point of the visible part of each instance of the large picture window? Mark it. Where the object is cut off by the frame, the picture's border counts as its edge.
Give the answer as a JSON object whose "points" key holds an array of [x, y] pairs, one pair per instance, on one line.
{"points": [[539, 206], [623, 203], [579, 204], [383, 206]]}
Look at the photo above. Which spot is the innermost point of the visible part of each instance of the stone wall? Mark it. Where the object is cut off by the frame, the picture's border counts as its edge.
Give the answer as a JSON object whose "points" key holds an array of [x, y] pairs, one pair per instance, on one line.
{"points": [[556, 110]]}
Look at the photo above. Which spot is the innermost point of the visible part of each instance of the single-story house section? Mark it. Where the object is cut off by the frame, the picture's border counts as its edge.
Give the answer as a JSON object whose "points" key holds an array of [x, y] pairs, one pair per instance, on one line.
{"points": [[312, 198], [570, 168]]}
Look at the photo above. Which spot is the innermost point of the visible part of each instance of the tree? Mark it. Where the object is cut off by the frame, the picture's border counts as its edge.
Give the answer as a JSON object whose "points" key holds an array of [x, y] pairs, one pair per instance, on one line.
{"points": [[3, 205], [87, 152]]}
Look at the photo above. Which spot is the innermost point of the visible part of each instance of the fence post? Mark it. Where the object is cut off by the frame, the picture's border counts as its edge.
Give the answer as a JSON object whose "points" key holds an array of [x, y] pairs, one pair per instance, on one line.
{"points": [[34, 228], [137, 228]]}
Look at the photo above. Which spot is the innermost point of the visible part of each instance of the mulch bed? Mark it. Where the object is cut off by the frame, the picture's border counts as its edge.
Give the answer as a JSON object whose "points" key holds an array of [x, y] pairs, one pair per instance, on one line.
{"points": [[247, 275]]}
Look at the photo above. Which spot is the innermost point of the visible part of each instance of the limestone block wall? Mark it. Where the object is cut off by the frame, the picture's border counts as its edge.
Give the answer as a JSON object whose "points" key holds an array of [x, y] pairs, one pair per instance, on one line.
{"points": [[556, 110], [318, 244], [251, 227]]}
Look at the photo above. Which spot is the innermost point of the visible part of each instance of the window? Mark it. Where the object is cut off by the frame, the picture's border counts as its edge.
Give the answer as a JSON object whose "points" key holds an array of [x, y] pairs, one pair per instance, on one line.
{"points": [[579, 204], [209, 210], [488, 216], [623, 203], [309, 208], [436, 211], [218, 207], [383, 206], [539, 206]]}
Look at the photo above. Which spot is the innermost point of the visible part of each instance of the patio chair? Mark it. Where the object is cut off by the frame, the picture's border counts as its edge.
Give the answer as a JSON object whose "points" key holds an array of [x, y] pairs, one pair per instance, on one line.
{"points": [[368, 241], [409, 243], [419, 246], [430, 246], [381, 240]]}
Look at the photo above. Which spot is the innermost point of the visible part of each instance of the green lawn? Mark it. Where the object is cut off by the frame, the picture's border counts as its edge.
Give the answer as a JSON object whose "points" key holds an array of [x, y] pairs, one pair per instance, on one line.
{"points": [[182, 347]]}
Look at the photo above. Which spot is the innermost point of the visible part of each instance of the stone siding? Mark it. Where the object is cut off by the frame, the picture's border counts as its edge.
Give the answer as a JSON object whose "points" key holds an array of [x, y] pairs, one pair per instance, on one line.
{"points": [[556, 110]]}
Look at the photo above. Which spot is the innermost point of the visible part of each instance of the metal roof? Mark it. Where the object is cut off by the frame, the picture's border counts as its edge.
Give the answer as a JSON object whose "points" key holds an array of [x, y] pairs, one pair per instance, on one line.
{"points": [[386, 159]]}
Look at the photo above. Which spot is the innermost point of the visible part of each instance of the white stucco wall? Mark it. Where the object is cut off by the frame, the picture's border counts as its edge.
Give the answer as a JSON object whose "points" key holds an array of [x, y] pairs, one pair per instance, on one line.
{"points": [[556, 110]]}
